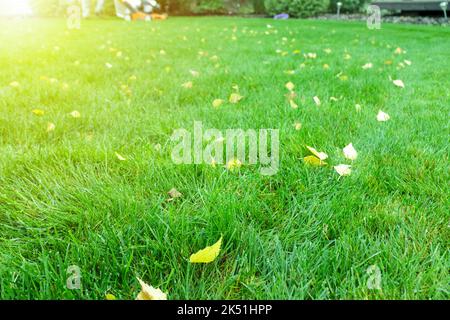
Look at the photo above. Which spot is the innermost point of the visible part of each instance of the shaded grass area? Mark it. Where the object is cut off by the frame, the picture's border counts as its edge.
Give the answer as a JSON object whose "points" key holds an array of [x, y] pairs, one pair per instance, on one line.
{"points": [[304, 233]]}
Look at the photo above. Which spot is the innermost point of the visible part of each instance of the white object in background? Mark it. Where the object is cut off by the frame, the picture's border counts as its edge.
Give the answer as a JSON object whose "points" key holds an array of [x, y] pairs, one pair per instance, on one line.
{"points": [[444, 6], [122, 11], [86, 8], [15, 8], [99, 6]]}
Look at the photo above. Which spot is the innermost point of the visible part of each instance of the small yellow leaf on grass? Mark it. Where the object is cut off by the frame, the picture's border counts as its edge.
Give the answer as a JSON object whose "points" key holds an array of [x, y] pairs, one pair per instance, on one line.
{"points": [[108, 65], [350, 152], [194, 73], [357, 107], [382, 116], [399, 83], [120, 157], [187, 85], [293, 104], [235, 98], [110, 296], [50, 127], [290, 86], [343, 169], [217, 103], [75, 114], [326, 66], [150, 293], [407, 62], [38, 112], [174, 193], [314, 161], [207, 255], [320, 155], [398, 51], [233, 164], [316, 100], [297, 125], [14, 84]]}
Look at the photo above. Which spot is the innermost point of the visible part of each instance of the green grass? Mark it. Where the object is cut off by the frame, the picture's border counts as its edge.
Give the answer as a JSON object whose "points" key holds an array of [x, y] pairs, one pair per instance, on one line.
{"points": [[304, 233]]}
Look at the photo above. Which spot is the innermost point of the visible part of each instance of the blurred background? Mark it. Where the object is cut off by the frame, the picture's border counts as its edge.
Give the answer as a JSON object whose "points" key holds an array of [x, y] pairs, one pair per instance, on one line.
{"points": [[295, 8]]}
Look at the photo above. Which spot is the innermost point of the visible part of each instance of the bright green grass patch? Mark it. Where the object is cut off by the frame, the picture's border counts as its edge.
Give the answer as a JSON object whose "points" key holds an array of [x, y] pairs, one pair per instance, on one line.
{"points": [[65, 199]]}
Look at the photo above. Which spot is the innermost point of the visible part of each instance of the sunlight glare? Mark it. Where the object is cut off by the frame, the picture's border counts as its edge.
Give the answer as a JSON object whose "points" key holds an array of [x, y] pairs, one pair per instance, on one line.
{"points": [[14, 7]]}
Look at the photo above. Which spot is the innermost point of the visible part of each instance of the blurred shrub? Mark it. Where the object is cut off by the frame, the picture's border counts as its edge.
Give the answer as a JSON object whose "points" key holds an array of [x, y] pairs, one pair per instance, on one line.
{"points": [[297, 8], [259, 6], [181, 7]]}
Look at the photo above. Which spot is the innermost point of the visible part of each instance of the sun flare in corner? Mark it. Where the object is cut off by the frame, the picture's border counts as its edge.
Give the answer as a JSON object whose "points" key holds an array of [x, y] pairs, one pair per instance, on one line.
{"points": [[15, 7]]}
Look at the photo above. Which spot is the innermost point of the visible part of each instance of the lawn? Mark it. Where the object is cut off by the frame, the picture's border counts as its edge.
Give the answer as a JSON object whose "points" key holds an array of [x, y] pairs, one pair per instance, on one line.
{"points": [[304, 233]]}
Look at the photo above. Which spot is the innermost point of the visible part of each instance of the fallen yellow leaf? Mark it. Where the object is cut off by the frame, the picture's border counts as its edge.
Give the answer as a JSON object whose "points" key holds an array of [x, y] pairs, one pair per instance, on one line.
{"points": [[399, 83], [382, 116], [50, 127], [208, 254], [110, 296], [150, 293], [38, 112], [320, 155], [217, 103], [290, 86], [314, 161], [350, 152], [293, 104], [233, 164], [187, 85], [75, 114], [174, 193], [120, 157], [343, 169], [235, 98], [194, 73]]}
